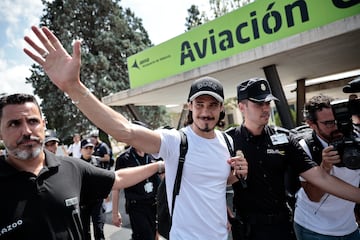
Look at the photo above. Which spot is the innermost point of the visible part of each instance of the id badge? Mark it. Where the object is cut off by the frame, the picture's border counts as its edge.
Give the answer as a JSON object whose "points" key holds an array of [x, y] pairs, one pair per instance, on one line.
{"points": [[279, 138], [148, 187]]}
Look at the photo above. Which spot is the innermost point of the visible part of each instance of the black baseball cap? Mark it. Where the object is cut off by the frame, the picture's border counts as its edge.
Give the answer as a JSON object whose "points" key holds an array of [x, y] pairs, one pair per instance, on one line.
{"points": [[255, 89], [206, 86], [353, 86], [86, 143], [50, 138]]}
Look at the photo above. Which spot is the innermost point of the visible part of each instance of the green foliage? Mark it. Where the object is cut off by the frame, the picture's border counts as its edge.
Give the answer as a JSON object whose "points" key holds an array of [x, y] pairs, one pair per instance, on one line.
{"points": [[109, 35], [222, 7], [194, 19], [218, 8], [277, 117]]}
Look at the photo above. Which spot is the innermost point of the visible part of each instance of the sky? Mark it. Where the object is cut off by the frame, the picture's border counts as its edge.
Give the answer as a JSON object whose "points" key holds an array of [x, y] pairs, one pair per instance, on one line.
{"points": [[162, 19]]}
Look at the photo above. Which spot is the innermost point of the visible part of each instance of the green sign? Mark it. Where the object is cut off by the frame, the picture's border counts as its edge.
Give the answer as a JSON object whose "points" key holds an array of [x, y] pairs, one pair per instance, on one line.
{"points": [[246, 28]]}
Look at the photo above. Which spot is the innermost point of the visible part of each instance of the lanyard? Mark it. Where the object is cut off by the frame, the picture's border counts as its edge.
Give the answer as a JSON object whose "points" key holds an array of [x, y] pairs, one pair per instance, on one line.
{"points": [[138, 162]]}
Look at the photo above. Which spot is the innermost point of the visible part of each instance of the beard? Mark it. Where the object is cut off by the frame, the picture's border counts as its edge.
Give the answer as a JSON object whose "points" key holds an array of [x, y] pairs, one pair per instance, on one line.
{"points": [[31, 151], [335, 135], [207, 127], [25, 154]]}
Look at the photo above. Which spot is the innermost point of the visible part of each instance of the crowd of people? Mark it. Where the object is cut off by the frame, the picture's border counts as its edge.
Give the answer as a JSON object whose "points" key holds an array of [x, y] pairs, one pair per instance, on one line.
{"points": [[54, 197]]}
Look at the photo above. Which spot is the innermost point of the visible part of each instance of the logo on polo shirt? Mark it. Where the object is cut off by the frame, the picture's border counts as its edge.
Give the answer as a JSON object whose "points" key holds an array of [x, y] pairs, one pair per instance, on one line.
{"points": [[71, 201], [275, 151], [11, 227]]}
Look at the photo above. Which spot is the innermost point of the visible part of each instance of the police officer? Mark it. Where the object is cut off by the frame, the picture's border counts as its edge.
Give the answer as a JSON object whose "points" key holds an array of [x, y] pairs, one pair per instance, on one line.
{"points": [[140, 198], [262, 205], [51, 143], [102, 151], [93, 210]]}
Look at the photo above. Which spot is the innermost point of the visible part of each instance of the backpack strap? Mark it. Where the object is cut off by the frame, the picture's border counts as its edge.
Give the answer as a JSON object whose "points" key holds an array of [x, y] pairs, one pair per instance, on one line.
{"points": [[177, 183], [183, 151], [232, 153], [230, 148], [314, 147]]}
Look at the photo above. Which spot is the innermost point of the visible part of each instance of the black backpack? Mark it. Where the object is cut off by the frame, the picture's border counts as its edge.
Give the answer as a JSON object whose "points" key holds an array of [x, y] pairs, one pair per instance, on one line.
{"points": [[164, 219]]}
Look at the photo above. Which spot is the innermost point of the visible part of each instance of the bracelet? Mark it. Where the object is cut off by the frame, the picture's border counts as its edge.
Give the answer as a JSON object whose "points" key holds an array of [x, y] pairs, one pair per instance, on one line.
{"points": [[85, 95]]}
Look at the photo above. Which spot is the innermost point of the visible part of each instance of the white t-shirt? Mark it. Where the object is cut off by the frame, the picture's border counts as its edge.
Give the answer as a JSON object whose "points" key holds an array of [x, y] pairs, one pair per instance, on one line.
{"points": [[200, 208], [75, 149], [330, 216]]}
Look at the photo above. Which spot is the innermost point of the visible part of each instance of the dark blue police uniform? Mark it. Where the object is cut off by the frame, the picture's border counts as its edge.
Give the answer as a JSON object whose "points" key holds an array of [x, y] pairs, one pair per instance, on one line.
{"points": [[262, 205], [93, 210], [101, 150], [47, 206], [140, 198]]}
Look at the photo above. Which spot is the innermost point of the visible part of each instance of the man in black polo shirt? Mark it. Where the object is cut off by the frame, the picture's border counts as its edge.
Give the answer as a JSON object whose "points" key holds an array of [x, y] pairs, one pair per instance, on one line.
{"points": [[262, 205], [42, 192]]}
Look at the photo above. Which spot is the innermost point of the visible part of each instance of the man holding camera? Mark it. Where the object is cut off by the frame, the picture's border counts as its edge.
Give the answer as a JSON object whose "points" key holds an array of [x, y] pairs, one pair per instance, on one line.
{"points": [[318, 214]]}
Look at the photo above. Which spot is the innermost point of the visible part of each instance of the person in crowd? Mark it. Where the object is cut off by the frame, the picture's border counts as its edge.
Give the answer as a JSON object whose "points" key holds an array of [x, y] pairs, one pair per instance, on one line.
{"points": [[74, 149], [103, 154], [355, 117], [262, 206], [140, 198], [93, 210], [101, 151], [356, 123], [44, 190], [200, 208], [320, 215], [355, 114], [51, 144]]}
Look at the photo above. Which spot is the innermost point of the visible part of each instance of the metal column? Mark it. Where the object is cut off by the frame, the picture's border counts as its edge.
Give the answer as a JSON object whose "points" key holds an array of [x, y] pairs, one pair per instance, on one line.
{"points": [[300, 100], [281, 105], [131, 108]]}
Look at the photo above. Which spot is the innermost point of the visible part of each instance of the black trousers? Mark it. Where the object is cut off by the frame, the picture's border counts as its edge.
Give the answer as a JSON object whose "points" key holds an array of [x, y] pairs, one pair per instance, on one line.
{"points": [[262, 228], [142, 215], [94, 211]]}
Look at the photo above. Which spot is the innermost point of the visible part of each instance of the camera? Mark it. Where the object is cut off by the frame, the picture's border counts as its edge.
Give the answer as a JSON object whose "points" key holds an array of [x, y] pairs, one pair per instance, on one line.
{"points": [[348, 145]]}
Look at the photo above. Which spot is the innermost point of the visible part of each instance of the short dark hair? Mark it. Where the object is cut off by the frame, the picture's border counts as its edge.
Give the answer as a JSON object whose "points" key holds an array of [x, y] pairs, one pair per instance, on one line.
{"points": [[17, 98], [316, 103]]}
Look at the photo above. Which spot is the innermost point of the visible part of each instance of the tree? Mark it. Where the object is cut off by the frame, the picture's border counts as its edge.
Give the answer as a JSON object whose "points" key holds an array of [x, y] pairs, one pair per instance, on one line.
{"points": [[109, 35], [221, 7], [218, 8], [194, 19]]}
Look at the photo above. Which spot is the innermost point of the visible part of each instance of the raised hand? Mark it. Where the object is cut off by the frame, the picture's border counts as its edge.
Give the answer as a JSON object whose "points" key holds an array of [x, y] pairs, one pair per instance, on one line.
{"points": [[62, 69]]}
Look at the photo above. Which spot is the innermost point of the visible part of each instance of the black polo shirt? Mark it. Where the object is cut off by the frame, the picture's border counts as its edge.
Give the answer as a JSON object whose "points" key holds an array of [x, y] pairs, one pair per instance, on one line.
{"points": [[267, 164], [130, 158], [47, 206]]}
